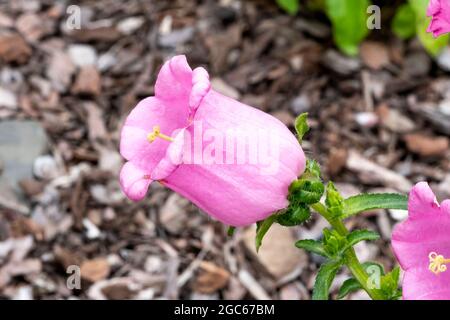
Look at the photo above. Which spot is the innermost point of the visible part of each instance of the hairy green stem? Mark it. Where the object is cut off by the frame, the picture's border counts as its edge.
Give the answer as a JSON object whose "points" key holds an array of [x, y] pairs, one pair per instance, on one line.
{"points": [[351, 260]]}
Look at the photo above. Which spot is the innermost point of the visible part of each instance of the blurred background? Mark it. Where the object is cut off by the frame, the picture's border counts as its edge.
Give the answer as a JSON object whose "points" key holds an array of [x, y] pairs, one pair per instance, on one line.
{"points": [[70, 71]]}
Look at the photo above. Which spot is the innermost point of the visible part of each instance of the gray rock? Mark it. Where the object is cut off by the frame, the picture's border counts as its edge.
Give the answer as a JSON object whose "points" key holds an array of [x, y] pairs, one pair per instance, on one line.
{"points": [[82, 55], [176, 37], [339, 63], [300, 104], [8, 99], [443, 59], [21, 142], [129, 25], [417, 64]]}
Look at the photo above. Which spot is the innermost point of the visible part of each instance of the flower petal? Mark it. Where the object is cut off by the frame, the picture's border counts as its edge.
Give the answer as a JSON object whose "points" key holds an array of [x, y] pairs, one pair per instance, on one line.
{"points": [[422, 202], [200, 87], [134, 181], [174, 80], [172, 159], [421, 284]]}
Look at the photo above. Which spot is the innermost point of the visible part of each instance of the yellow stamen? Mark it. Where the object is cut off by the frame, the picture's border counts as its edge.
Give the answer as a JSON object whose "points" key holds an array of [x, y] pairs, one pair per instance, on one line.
{"points": [[156, 133], [437, 263]]}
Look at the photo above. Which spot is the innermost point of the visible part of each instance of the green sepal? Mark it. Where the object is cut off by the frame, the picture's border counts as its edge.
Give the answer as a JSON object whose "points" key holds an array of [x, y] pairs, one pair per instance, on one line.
{"points": [[294, 215], [306, 191], [230, 231], [261, 229]]}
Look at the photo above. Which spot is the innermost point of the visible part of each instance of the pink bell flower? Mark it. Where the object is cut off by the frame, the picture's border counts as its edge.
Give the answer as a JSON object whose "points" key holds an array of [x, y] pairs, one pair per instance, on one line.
{"points": [[422, 246], [439, 11], [233, 161]]}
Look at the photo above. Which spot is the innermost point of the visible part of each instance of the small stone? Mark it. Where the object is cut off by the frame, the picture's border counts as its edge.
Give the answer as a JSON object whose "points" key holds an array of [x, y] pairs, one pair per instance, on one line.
{"points": [[384, 225], [222, 87], [129, 25], [88, 82], [366, 119], [427, 145], [443, 59], [11, 78], [21, 142], [92, 232], [31, 26], [341, 64], [296, 62], [277, 254], [46, 168], [290, 292], [398, 214], [106, 61], [375, 55], [6, 21], [173, 213], [60, 70], [8, 99], [444, 107], [14, 49], [176, 37], [417, 64], [82, 55], [300, 104]]}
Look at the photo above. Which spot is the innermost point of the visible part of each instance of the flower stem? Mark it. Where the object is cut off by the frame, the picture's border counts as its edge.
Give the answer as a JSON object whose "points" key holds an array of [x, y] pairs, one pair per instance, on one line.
{"points": [[350, 258]]}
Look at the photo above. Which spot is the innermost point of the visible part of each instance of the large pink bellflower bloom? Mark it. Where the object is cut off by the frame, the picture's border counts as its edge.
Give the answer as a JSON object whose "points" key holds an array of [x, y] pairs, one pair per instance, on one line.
{"points": [[422, 246], [187, 119]]}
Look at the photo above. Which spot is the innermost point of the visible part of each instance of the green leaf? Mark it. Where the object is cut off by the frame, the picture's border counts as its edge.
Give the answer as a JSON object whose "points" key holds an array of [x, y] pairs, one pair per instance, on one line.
{"points": [[404, 22], [262, 228], [334, 200], [301, 126], [313, 246], [295, 214], [432, 45], [230, 231], [290, 6], [349, 19], [349, 285], [360, 235], [370, 201], [325, 278]]}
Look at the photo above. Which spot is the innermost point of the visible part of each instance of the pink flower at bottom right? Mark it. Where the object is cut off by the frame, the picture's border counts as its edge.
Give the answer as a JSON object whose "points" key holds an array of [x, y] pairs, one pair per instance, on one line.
{"points": [[421, 244]]}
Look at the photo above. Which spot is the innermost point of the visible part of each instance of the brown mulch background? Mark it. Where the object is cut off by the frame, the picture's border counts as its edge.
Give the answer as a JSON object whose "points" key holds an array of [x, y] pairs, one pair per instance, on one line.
{"points": [[380, 122]]}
